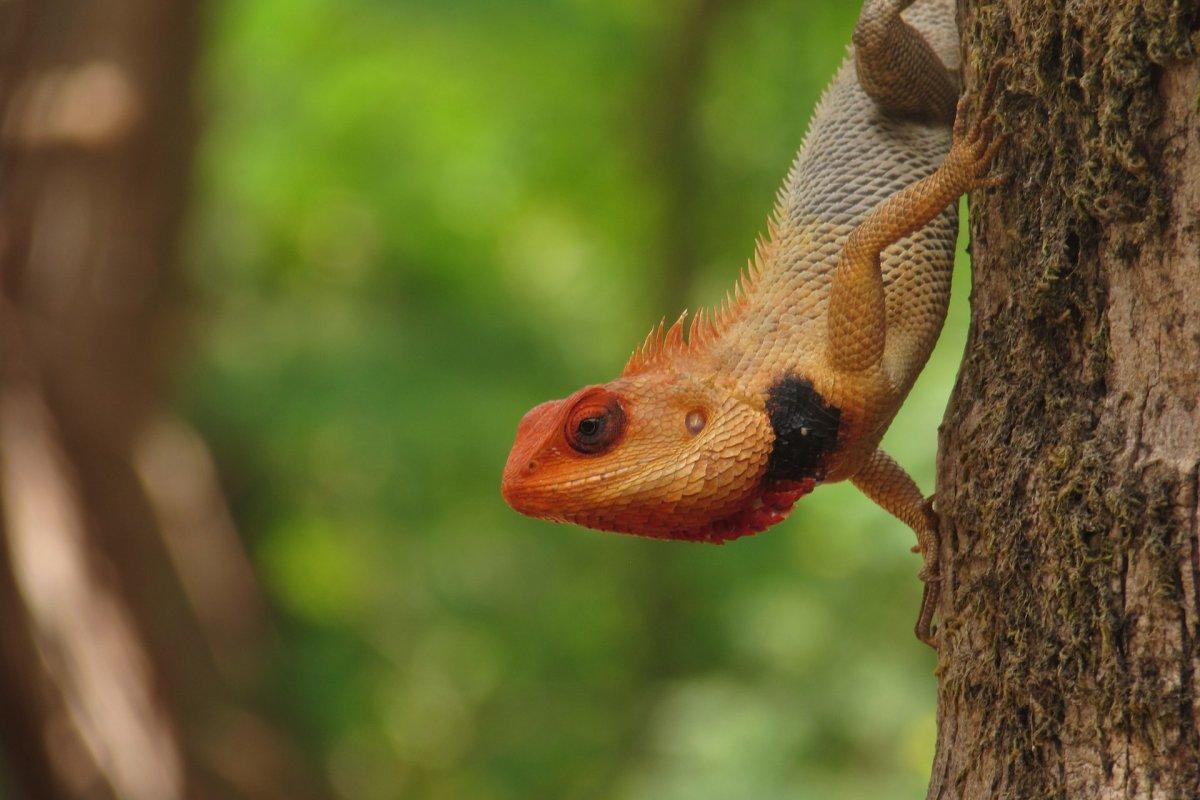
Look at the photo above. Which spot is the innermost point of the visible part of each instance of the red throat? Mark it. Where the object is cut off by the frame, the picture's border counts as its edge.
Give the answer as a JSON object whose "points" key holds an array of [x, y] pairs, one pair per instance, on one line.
{"points": [[769, 508]]}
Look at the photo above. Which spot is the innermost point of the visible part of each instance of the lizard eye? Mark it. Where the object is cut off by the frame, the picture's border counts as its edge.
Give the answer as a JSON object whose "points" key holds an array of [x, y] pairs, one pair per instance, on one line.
{"points": [[595, 424]]}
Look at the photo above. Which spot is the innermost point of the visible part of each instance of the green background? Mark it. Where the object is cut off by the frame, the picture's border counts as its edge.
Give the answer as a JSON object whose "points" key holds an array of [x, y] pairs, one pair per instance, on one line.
{"points": [[415, 220]]}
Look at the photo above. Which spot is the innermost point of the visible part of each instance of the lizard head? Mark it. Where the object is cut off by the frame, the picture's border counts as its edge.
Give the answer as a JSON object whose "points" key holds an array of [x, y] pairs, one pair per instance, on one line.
{"points": [[654, 453]]}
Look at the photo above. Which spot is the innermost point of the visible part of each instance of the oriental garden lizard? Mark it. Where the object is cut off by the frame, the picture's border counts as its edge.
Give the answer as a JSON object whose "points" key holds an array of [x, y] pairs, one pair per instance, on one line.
{"points": [[715, 434]]}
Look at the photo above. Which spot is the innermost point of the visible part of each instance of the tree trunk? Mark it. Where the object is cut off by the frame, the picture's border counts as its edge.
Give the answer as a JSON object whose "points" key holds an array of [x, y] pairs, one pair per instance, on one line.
{"points": [[131, 620], [1070, 454]]}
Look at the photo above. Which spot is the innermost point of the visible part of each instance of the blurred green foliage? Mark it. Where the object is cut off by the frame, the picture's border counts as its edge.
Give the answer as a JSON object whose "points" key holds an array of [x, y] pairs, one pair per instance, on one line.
{"points": [[415, 220]]}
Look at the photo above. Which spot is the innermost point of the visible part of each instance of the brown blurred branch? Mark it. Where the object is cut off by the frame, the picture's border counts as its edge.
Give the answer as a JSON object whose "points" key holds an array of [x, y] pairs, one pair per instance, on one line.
{"points": [[133, 623], [674, 141], [87, 652]]}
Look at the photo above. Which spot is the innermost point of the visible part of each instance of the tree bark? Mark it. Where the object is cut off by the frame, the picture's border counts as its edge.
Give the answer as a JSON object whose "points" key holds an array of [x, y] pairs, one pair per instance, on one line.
{"points": [[1070, 453], [131, 620]]}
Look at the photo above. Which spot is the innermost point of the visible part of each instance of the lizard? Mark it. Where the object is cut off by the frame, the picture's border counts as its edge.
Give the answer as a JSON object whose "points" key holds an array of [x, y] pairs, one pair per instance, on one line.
{"points": [[715, 433]]}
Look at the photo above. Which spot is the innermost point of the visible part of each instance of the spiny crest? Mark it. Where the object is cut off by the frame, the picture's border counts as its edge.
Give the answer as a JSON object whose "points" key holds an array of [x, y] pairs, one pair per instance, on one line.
{"points": [[661, 343], [664, 343]]}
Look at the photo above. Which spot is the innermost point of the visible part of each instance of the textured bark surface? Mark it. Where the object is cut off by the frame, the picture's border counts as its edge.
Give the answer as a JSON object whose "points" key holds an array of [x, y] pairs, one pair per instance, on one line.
{"points": [[1068, 469]]}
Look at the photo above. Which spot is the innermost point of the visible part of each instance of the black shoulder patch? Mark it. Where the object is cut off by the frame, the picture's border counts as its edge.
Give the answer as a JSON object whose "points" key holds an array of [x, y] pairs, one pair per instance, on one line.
{"points": [[806, 429]]}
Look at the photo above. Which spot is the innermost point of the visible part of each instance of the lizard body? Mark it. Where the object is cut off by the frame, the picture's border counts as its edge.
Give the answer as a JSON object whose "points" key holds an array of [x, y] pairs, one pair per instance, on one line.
{"points": [[793, 382]]}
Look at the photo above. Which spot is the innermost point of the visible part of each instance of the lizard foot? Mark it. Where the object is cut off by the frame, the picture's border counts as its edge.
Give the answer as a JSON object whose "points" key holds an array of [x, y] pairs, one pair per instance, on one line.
{"points": [[924, 628], [928, 545], [977, 142]]}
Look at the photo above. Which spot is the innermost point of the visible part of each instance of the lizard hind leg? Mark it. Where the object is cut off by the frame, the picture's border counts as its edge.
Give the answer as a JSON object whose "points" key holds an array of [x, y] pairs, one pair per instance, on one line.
{"points": [[887, 484], [898, 68]]}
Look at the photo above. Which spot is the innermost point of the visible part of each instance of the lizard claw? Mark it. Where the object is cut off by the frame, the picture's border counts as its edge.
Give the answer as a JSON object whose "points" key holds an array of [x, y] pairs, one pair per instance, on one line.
{"points": [[975, 150], [985, 102], [993, 181], [977, 143]]}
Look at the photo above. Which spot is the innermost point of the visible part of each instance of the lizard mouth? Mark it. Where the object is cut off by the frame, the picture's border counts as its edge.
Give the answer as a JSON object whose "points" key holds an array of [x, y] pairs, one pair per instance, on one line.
{"points": [[770, 507]]}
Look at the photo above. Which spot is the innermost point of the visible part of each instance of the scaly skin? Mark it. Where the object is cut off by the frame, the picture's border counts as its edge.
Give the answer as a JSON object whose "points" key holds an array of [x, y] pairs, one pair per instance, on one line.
{"points": [[794, 381]]}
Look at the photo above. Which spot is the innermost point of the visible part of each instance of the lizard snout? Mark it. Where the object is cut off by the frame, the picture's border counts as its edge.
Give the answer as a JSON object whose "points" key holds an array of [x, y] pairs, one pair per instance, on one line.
{"points": [[534, 433]]}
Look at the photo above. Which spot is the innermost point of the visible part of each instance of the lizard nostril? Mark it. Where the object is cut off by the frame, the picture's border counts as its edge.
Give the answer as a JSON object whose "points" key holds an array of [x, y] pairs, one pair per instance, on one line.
{"points": [[531, 467]]}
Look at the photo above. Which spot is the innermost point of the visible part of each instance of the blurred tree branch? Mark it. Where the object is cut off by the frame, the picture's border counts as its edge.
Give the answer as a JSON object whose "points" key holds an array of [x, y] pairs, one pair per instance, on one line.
{"points": [[674, 141], [133, 625]]}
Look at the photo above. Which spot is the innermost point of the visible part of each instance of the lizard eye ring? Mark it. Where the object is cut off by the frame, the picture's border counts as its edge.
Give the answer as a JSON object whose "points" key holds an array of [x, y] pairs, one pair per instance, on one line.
{"points": [[595, 424]]}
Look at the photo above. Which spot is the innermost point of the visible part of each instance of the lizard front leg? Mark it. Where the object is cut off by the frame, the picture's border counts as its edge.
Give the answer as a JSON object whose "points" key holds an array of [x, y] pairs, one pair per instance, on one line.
{"points": [[857, 319], [889, 486]]}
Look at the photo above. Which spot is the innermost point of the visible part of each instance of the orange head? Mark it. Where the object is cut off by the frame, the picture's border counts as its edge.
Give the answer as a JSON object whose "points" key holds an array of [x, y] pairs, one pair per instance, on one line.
{"points": [[656, 453]]}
